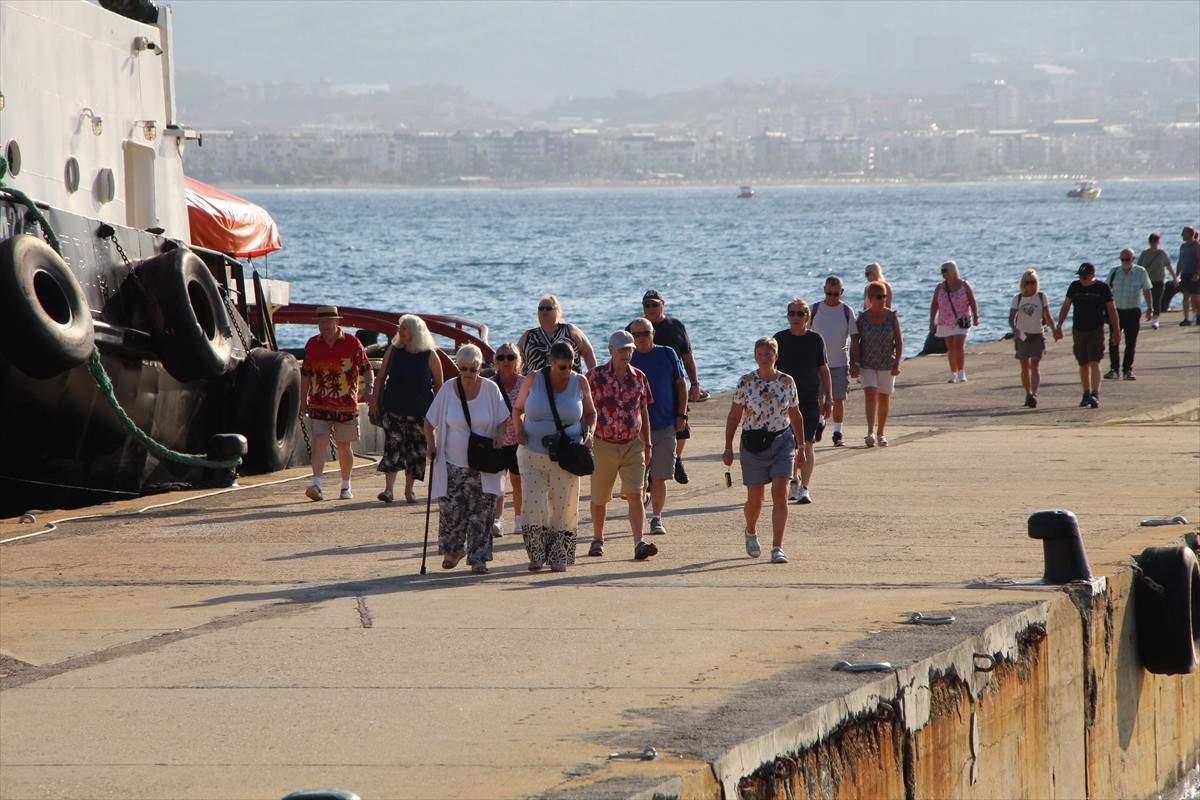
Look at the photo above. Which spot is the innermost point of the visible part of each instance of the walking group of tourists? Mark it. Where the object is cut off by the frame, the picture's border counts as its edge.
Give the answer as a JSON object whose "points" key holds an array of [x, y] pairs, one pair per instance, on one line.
{"points": [[551, 413]]}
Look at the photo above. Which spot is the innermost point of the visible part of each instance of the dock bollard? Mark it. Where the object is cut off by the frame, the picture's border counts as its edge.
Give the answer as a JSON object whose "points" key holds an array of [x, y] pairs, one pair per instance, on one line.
{"points": [[1062, 548]]}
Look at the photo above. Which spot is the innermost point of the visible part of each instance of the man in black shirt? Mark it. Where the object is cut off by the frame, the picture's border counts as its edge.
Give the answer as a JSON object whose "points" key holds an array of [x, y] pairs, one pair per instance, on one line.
{"points": [[802, 355], [1093, 302]]}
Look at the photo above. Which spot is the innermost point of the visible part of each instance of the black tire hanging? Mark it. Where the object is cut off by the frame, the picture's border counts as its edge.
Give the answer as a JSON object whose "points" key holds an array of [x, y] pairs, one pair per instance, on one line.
{"points": [[43, 305], [188, 319], [268, 408], [1168, 624]]}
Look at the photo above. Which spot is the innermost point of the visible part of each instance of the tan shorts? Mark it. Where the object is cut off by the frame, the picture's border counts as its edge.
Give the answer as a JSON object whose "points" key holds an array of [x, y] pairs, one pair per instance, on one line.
{"points": [[342, 431], [624, 459]]}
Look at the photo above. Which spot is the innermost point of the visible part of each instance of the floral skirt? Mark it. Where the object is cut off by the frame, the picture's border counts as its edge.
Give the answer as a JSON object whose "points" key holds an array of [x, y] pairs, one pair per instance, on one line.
{"points": [[404, 445]]}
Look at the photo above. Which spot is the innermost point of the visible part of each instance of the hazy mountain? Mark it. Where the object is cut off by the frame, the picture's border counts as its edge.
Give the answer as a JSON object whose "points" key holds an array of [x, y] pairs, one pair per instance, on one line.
{"points": [[528, 55]]}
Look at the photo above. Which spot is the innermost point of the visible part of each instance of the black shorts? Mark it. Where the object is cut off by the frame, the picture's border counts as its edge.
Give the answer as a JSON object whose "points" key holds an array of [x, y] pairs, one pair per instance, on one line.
{"points": [[812, 415], [510, 459]]}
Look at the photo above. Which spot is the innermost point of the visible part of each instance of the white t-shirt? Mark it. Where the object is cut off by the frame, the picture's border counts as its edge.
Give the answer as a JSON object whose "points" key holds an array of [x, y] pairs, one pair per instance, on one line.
{"points": [[1029, 312], [835, 326]]}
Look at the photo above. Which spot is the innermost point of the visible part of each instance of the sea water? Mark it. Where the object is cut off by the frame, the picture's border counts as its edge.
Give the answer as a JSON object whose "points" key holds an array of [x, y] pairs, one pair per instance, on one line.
{"points": [[727, 266]]}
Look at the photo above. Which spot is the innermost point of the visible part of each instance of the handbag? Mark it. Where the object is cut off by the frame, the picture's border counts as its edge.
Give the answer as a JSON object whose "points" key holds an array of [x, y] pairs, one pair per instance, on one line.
{"points": [[573, 456], [482, 453], [757, 441], [963, 322]]}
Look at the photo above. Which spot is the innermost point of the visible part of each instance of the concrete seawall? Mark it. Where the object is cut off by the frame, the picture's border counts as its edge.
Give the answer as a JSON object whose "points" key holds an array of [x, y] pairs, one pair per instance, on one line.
{"points": [[249, 643]]}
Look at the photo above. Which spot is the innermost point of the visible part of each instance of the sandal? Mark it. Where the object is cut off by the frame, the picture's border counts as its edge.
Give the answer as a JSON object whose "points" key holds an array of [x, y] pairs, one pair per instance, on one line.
{"points": [[451, 560], [881, 440], [385, 496], [752, 548]]}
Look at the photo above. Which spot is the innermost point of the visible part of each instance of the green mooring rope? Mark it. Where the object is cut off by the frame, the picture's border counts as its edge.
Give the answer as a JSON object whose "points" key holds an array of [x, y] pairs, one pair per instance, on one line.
{"points": [[99, 374], [47, 232], [106, 386]]}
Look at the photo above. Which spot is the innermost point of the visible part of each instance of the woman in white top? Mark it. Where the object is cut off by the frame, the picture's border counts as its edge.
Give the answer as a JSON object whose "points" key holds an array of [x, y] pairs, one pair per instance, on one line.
{"points": [[1030, 311], [466, 497]]}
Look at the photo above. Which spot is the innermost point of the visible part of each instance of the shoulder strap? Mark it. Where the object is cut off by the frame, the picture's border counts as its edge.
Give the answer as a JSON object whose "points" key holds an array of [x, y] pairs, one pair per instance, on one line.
{"points": [[1112, 275], [462, 396], [504, 394], [846, 310], [550, 394], [950, 297]]}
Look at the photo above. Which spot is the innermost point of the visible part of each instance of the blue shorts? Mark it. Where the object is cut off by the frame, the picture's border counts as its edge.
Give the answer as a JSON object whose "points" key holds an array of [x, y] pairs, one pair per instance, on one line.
{"points": [[758, 469]]}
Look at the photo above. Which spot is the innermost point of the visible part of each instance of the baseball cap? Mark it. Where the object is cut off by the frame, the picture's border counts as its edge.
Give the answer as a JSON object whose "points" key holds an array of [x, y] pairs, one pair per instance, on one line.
{"points": [[1085, 268], [653, 294], [620, 339]]}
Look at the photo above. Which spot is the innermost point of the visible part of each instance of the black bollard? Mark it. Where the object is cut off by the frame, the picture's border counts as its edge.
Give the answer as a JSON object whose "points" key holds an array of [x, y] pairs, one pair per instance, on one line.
{"points": [[1062, 548]]}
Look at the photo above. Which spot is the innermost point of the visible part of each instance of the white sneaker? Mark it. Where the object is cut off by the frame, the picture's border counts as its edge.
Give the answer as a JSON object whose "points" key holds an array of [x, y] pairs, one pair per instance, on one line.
{"points": [[314, 493], [962, 376], [804, 497], [346, 494], [953, 378], [793, 491], [497, 532], [1154, 324], [517, 525]]}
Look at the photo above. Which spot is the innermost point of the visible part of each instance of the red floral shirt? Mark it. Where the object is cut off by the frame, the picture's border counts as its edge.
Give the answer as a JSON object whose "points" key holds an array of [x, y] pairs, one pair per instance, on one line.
{"points": [[619, 401], [332, 374]]}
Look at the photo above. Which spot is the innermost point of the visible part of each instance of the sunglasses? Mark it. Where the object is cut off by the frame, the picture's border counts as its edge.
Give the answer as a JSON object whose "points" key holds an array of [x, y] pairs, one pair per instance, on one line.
{"points": [[1029, 283], [1126, 260], [506, 356], [640, 334], [797, 313], [651, 304], [833, 294], [468, 370], [545, 308]]}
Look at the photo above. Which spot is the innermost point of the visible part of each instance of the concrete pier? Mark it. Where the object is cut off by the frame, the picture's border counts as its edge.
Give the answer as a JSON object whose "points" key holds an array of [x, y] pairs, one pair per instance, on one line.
{"points": [[251, 643]]}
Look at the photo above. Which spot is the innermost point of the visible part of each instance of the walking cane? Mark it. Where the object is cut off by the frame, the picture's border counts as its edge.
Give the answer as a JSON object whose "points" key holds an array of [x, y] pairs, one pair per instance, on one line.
{"points": [[428, 507]]}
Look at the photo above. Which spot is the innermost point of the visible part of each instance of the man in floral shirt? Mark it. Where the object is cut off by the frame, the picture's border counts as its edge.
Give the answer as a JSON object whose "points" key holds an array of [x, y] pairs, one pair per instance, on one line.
{"points": [[622, 441], [333, 362]]}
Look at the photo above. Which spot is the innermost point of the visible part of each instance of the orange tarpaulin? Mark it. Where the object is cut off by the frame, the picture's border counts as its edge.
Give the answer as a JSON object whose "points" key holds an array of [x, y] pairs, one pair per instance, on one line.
{"points": [[228, 224]]}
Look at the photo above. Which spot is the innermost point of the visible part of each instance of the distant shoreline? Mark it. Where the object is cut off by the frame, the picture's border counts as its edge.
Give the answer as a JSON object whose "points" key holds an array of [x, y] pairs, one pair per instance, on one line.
{"points": [[479, 185]]}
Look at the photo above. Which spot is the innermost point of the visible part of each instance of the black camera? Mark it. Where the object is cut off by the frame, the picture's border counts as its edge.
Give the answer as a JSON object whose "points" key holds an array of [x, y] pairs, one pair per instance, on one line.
{"points": [[551, 444]]}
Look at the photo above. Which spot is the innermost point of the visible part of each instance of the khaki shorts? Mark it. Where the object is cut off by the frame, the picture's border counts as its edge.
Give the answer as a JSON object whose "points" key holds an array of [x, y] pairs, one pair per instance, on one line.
{"points": [[1032, 346], [612, 459], [342, 431], [662, 459], [1088, 346]]}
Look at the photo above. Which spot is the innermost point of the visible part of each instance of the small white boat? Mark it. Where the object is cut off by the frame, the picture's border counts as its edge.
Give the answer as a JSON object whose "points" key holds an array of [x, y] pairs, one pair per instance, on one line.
{"points": [[745, 193], [1087, 190]]}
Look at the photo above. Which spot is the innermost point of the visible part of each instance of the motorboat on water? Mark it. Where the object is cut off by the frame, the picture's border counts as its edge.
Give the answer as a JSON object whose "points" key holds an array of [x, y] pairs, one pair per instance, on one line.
{"points": [[1086, 190], [140, 349], [745, 193]]}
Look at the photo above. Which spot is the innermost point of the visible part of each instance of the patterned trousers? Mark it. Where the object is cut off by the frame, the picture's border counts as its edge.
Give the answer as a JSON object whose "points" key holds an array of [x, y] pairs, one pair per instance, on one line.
{"points": [[550, 512], [465, 518]]}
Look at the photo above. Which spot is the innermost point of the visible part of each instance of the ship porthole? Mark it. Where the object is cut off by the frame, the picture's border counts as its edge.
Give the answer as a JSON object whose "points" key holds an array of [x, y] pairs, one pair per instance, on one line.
{"points": [[43, 300], [71, 175], [106, 185], [12, 154]]}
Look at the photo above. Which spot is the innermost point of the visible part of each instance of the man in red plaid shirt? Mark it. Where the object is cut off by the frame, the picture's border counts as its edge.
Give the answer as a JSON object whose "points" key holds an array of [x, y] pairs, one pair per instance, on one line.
{"points": [[622, 441]]}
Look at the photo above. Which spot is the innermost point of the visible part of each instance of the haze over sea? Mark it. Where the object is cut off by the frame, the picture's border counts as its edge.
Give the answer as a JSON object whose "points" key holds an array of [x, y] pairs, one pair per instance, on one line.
{"points": [[726, 266]]}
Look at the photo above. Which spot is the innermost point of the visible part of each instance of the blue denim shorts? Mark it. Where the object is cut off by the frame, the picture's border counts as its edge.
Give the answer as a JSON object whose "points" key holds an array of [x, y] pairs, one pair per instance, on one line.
{"points": [[758, 469]]}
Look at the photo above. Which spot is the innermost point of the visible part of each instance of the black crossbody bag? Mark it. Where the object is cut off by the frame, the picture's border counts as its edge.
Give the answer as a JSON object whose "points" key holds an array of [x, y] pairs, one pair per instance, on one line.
{"points": [[482, 453], [571, 455]]}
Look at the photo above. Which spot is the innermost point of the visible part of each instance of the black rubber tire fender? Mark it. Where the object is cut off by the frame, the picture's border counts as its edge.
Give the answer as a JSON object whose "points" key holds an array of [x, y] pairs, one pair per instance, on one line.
{"points": [[1168, 624], [51, 328], [268, 408], [189, 322]]}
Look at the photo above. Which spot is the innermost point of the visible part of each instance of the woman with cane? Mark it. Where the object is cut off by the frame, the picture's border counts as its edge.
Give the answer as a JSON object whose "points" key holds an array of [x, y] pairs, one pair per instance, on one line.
{"points": [[466, 497]]}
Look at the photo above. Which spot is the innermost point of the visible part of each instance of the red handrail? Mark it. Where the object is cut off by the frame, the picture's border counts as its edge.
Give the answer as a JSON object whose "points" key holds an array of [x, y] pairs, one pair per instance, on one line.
{"points": [[456, 329]]}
